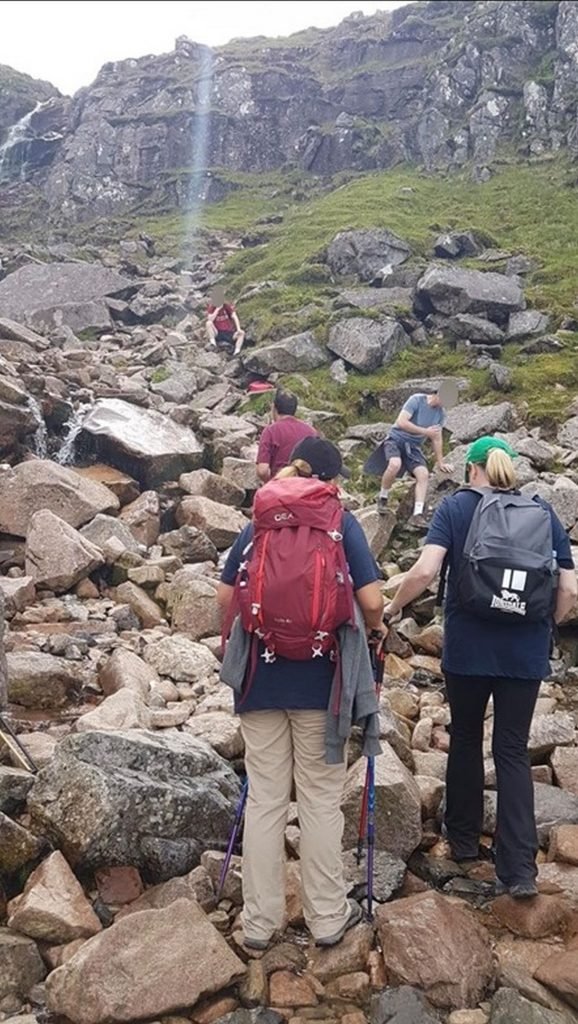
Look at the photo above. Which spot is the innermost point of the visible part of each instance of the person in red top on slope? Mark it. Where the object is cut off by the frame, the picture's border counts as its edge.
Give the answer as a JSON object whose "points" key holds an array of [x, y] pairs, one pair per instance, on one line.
{"points": [[279, 439], [223, 327]]}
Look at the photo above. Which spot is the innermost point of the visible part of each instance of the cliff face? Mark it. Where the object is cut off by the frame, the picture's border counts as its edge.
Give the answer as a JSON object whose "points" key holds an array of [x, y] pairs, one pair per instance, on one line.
{"points": [[441, 84]]}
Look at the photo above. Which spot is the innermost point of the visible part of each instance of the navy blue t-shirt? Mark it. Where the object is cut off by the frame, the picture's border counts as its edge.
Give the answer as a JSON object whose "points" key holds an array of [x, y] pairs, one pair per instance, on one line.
{"points": [[478, 647], [300, 685]]}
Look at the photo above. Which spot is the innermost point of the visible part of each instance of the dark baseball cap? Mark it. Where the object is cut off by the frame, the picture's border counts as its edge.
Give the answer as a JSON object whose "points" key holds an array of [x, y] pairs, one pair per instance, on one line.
{"points": [[323, 457]]}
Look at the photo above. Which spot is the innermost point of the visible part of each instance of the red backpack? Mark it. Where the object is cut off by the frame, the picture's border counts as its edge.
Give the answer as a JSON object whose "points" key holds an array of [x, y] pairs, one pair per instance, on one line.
{"points": [[293, 589]]}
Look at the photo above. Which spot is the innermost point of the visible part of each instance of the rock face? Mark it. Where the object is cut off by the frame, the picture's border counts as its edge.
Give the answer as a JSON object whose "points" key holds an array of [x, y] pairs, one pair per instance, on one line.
{"points": [[147, 444], [53, 907], [37, 485], [76, 291], [115, 976], [300, 352], [367, 344], [452, 290], [363, 254], [58, 556], [112, 798]]}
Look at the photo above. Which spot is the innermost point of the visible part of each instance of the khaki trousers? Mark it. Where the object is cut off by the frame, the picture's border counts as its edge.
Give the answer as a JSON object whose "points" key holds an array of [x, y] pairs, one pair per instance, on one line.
{"points": [[283, 747]]}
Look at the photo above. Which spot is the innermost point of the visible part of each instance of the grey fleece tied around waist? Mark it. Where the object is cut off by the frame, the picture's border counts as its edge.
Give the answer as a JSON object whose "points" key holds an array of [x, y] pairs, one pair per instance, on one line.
{"points": [[357, 701]]}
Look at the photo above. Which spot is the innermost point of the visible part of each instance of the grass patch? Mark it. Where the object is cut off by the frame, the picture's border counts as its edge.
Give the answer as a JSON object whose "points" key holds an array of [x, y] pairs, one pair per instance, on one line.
{"points": [[546, 383]]}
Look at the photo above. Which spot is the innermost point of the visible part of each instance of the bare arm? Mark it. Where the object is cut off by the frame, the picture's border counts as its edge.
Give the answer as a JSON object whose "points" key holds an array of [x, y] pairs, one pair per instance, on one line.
{"points": [[370, 600], [263, 472], [566, 595], [211, 317], [419, 577], [404, 422], [224, 597], [235, 320]]}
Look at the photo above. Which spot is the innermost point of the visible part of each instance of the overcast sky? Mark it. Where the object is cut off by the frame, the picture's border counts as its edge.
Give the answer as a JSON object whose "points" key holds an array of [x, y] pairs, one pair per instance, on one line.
{"points": [[67, 41]]}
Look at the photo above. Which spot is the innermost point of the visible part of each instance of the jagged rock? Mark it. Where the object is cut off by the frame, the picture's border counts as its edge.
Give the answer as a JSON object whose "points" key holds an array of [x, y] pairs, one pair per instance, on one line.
{"points": [[532, 919], [18, 846], [364, 253], [205, 484], [475, 329], [291, 990], [528, 323], [41, 485], [53, 907], [509, 1007], [377, 528], [123, 710], [192, 606], [22, 969], [14, 786], [550, 731], [102, 528], [367, 344], [431, 791], [560, 973], [179, 942], [241, 472], [192, 790], [196, 885], [389, 873], [468, 421], [298, 353], [397, 805], [403, 1005], [18, 593], [350, 955], [38, 680], [437, 945], [501, 377], [564, 761], [125, 670], [62, 293], [452, 290], [568, 434], [454, 244], [57, 555], [189, 545], [563, 496], [564, 844], [121, 484], [221, 730], [221, 523], [143, 518], [147, 610], [553, 806], [182, 660], [18, 332], [151, 446], [178, 388]]}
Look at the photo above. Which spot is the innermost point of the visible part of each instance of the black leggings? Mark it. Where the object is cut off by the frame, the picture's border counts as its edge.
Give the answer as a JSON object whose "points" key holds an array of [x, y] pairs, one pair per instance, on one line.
{"points": [[516, 841]]}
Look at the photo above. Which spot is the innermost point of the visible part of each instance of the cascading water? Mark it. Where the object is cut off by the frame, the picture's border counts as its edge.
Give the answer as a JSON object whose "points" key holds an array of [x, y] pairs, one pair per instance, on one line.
{"points": [[40, 439], [200, 143], [13, 150], [66, 453]]}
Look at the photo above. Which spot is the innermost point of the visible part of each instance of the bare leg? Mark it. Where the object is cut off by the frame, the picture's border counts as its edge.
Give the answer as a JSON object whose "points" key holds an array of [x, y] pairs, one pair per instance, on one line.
{"points": [[392, 469], [421, 475], [239, 341], [211, 333]]}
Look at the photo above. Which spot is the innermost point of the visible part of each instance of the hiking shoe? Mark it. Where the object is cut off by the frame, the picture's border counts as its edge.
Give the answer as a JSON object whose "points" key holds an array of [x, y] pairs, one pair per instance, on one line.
{"points": [[419, 521], [381, 505], [355, 915], [518, 891], [260, 944]]}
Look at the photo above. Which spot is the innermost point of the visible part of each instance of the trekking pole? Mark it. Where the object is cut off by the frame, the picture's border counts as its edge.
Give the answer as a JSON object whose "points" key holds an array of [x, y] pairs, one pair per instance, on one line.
{"points": [[234, 833], [370, 833], [377, 661], [14, 745]]}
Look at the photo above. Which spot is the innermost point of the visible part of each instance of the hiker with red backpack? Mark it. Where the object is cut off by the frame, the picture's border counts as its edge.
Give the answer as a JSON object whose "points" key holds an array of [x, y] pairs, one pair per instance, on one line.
{"points": [[511, 576], [299, 594]]}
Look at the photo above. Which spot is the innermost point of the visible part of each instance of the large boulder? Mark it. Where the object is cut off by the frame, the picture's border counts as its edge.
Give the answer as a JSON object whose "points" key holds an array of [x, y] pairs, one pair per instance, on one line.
{"points": [[452, 290], [299, 352], [562, 495], [135, 798], [510, 1007], [124, 670], [205, 484], [397, 804], [22, 969], [18, 846], [182, 660], [53, 907], [192, 605], [143, 442], [123, 710], [103, 528], [363, 253], [221, 523], [115, 976], [568, 434], [553, 806], [143, 518], [57, 555], [40, 484], [367, 344], [437, 945], [189, 545], [75, 294], [37, 680], [468, 421], [528, 323]]}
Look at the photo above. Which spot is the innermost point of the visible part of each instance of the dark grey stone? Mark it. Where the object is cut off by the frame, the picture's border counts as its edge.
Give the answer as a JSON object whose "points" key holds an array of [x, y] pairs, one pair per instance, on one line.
{"points": [[452, 290], [363, 253], [388, 875], [404, 1005], [509, 1007], [553, 806], [367, 344]]}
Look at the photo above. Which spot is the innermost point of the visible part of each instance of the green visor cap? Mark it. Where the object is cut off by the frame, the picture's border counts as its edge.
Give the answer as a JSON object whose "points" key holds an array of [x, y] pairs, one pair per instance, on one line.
{"points": [[479, 450]]}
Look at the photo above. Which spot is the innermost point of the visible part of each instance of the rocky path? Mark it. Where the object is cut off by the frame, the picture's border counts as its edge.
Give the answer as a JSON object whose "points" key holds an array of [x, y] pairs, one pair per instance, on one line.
{"points": [[110, 545]]}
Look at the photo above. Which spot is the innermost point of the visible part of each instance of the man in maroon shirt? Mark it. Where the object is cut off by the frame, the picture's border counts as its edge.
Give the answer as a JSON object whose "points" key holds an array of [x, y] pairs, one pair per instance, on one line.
{"points": [[223, 327], [280, 437]]}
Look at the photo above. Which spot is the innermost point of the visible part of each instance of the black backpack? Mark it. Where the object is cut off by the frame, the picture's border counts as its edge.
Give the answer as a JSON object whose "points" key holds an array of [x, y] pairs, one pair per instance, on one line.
{"points": [[508, 570]]}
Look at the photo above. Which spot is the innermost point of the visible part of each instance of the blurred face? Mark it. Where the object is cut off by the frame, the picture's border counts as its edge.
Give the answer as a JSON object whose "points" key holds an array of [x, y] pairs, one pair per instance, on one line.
{"points": [[218, 295]]}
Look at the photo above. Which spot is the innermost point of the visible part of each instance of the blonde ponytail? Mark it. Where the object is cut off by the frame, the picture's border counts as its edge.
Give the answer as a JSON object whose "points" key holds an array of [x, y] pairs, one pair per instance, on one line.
{"points": [[500, 470], [299, 467]]}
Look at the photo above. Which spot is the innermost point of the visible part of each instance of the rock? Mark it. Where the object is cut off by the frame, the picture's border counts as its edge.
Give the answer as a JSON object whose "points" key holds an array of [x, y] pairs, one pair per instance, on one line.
{"points": [[204, 484], [550, 731], [253, 990], [364, 253], [102, 528], [193, 793], [57, 555], [221, 730], [22, 969], [182, 660], [432, 763], [353, 987], [454, 244], [17, 332], [501, 377], [397, 805], [50, 294], [468, 421], [452, 290], [189, 544], [403, 1005], [350, 955], [17, 846], [564, 761], [14, 786], [429, 641], [288, 990], [178, 388], [121, 484], [179, 944], [241, 472], [40, 485], [18, 593], [147, 610], [560, 973], [553, 806], [196, 885], [53, 907], [143, 517], [563, 496], [528, 323], [568, 434], [378, 529], [296, 354], [192, 606], [509, 1007], [125, 670], [555, 877], [532, 919], [431, 792], [437, 945], [123, 710], [221, 523], [564, 844], [475, 329], [38, 680], [151, 446], [388, 875], [118, 885], [367, 344]]}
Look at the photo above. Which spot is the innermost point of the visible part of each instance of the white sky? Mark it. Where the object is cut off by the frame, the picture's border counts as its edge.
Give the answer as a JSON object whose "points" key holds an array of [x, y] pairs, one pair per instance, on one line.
{"points": [[68, 41]]}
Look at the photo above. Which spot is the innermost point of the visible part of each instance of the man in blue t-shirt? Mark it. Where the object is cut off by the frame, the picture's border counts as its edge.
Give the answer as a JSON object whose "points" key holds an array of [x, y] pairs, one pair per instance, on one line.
{"points": [[422, 416]]}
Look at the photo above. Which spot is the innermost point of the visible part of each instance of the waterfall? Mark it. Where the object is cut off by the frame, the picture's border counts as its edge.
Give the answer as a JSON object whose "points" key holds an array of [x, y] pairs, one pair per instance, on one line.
{"points": [[200, 144], [66, 453], [13, 151], [40, 440]]}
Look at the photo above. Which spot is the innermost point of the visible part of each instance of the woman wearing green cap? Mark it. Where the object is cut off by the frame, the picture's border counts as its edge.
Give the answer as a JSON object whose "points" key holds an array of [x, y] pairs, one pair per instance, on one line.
{"points": [[505, 658]]}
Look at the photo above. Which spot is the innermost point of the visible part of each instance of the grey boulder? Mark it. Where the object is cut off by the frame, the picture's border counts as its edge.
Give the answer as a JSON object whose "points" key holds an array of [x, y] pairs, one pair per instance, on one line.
{"points": [[38, 293], [468, 421], [553, 806], [528, 323], [367, 344], [451, 290], [40, 484], [291, 355], [363, 253]]}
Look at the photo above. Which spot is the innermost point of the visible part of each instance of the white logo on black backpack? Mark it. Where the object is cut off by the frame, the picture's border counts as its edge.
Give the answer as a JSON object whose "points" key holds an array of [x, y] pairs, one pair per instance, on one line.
{"points": [[513, 584]]}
